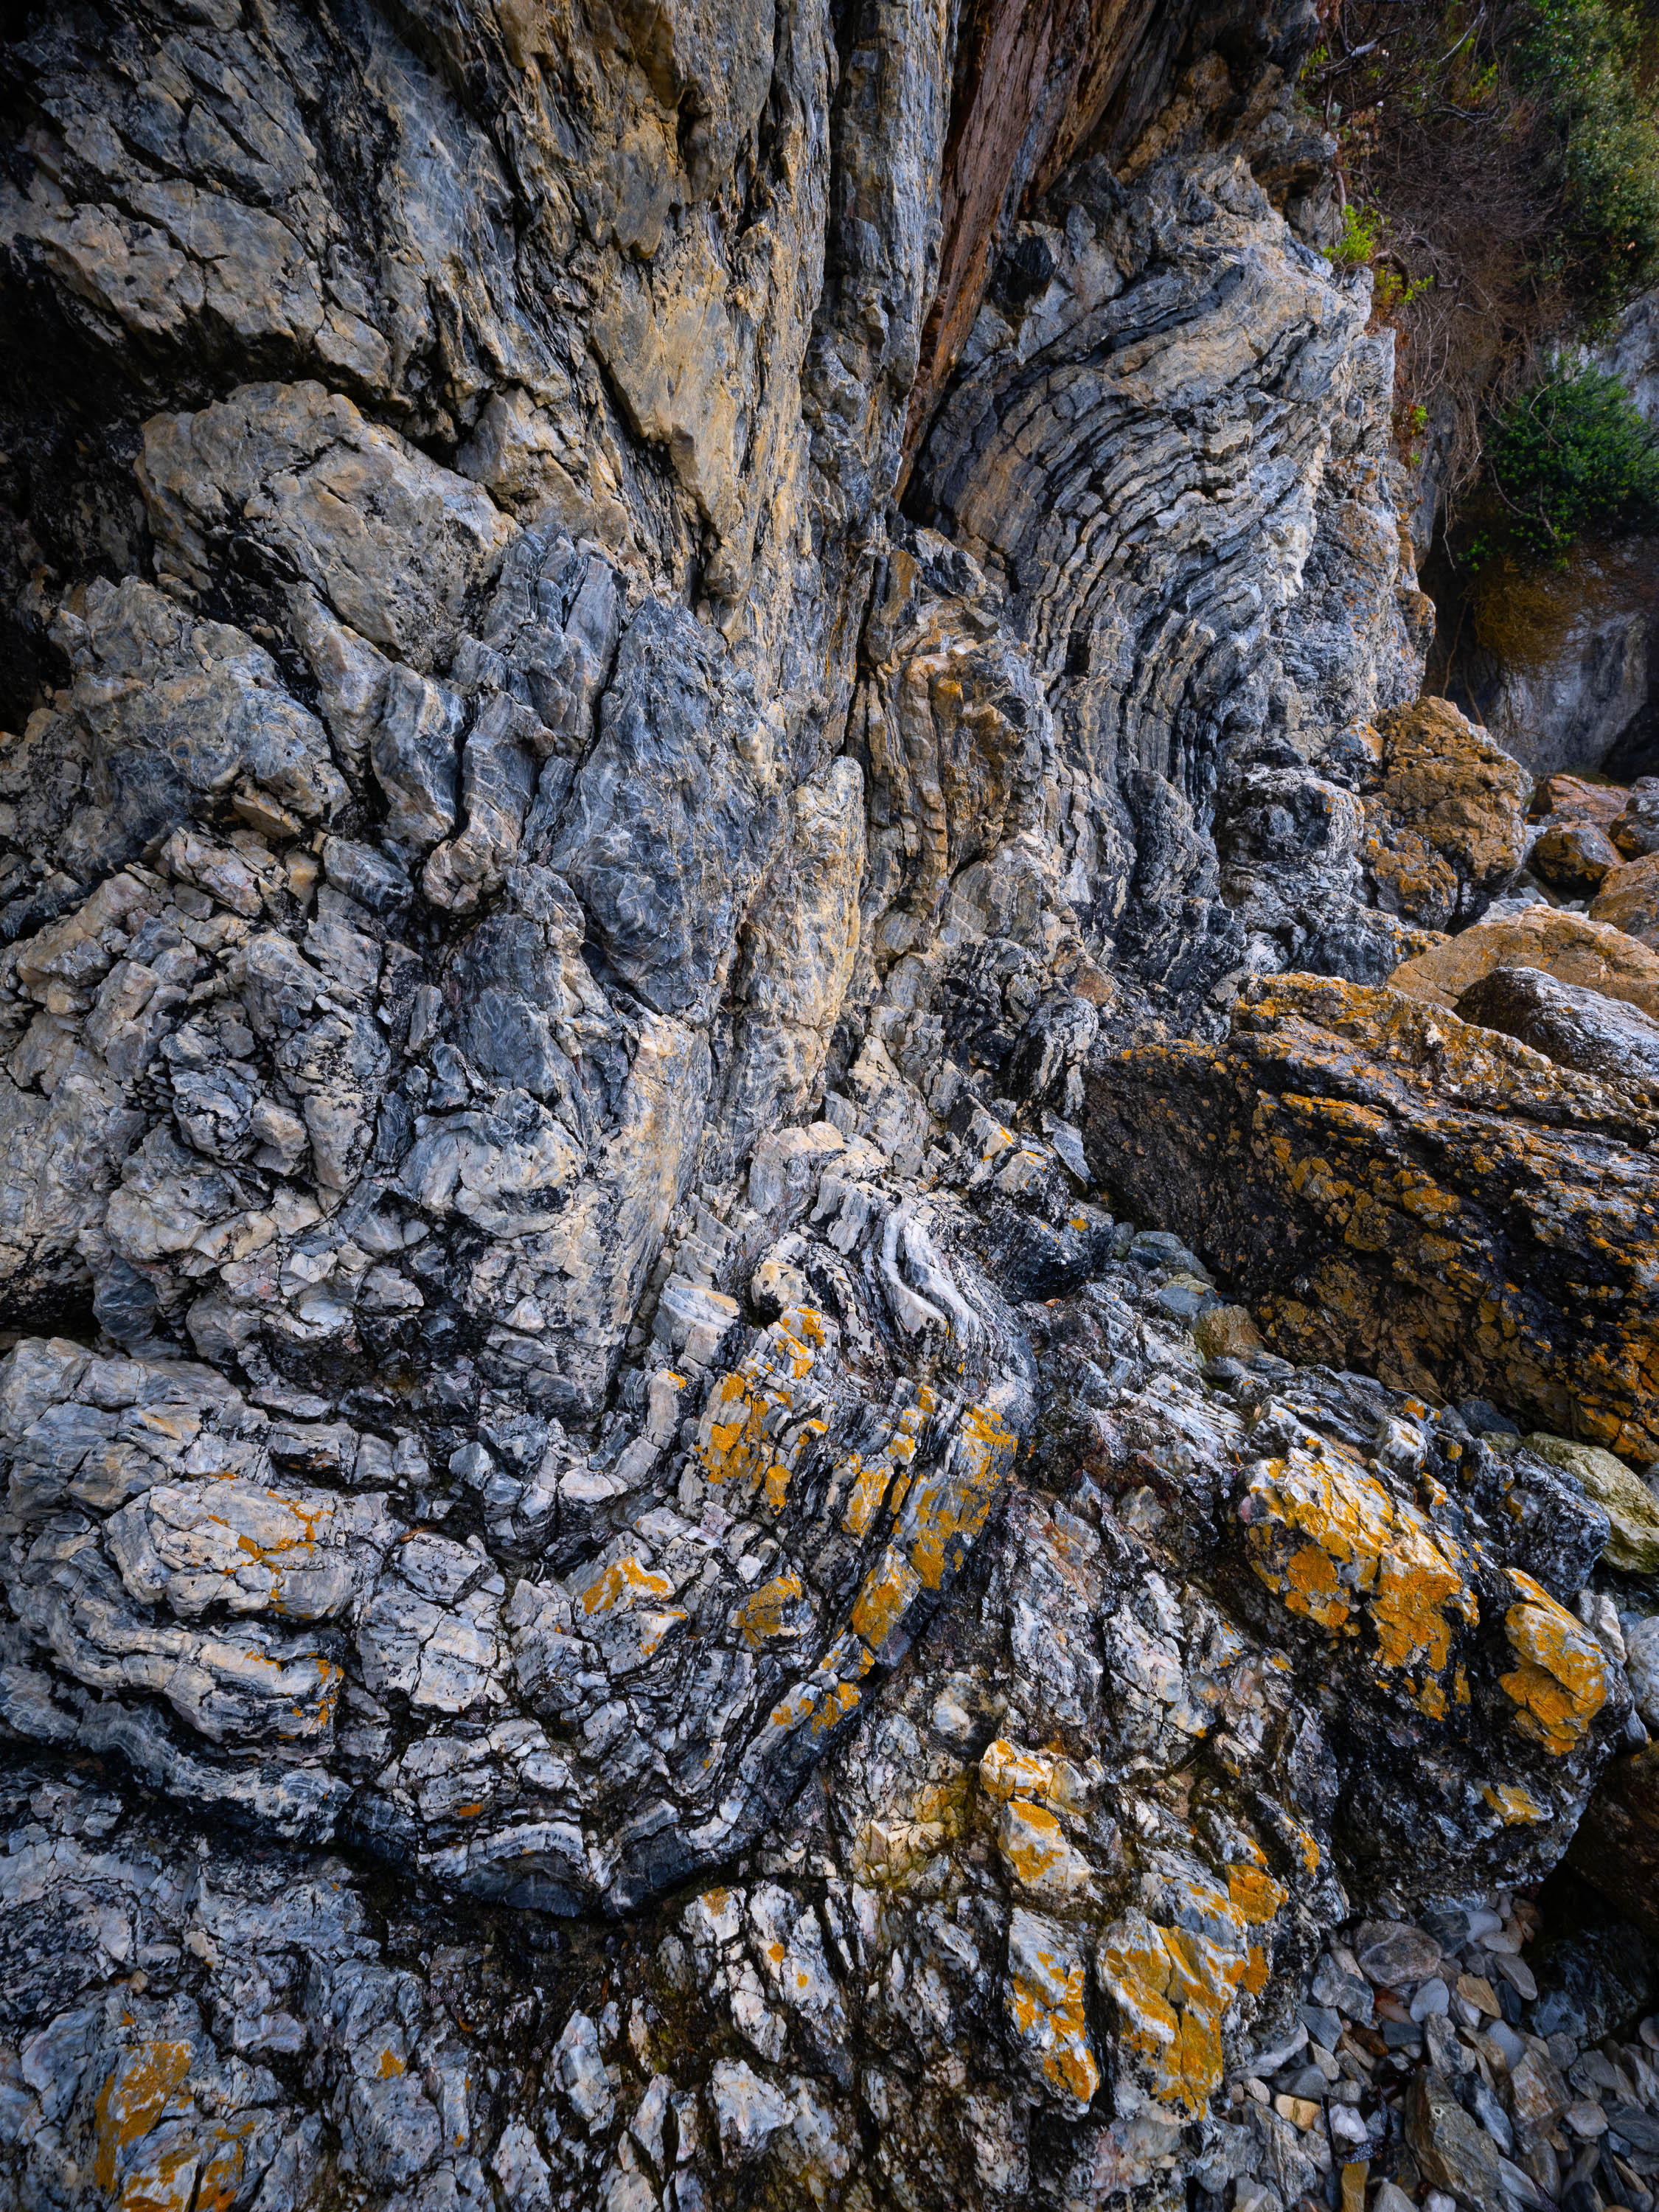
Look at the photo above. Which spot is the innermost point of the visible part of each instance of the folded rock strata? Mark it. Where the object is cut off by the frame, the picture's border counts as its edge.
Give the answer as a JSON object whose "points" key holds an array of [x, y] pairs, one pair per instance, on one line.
{"points": [[688, 690]]}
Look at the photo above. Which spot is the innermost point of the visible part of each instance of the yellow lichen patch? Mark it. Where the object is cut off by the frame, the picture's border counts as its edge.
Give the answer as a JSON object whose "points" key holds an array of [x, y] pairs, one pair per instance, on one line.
{"points": [[748, 1408], [801, 1330], [1561, 1682], [1038, 1853], [820, 1708], [1046, 1982], [165, 2180], [1254, 1894], [623, 1582], [1326, 1535], [134, 2099], [1307, 1845], [1007, 1770], [869, 1488], [885, 1851], [772, 1612], [390, 2065], [1514, 1803], [946, 1508], [1171, 1988], [220, 2179], [881, 1604]]}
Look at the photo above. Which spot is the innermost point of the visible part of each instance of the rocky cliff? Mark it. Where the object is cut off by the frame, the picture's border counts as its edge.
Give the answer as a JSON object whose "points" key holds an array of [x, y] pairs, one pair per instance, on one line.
{"points": [[826, 1332]]}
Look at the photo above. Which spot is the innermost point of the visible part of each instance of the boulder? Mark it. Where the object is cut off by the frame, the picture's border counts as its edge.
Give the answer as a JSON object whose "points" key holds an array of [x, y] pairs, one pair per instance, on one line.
{"points": [[1629, 899], [1573, 858], [1448, 829], [1595, 1980], [1632, 1511], [1636, 831], [1578, 798], [1423, 1199], [1573, 1027], [1616, 1849], [1567, 945]]}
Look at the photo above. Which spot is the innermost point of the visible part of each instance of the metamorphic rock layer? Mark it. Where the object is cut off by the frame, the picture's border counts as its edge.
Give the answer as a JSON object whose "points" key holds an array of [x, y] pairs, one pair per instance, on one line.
{"points": [[715, 770]]}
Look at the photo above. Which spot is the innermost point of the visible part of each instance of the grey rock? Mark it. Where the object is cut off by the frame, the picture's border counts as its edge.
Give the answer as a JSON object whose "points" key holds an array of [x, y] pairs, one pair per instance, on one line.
{"points": [[297, 480], [1574, 1027], [670, 818]]}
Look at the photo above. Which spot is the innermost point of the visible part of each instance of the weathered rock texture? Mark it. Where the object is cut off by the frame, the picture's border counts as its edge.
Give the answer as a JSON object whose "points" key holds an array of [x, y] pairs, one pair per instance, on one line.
{"points": [[681, 683]]}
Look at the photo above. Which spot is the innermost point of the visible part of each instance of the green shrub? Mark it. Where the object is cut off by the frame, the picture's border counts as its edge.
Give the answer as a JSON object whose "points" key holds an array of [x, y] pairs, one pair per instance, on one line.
{"points": [[1569, 456], [1362, 236], [1584, 58]]}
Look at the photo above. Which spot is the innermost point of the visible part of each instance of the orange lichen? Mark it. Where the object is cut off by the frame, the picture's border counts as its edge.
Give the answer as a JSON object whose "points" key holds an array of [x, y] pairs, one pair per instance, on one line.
{"points": [[1172, 1989], [1254, 1894], [1368, 1557], [133, 2100], [769, 1612], [622, 1581], [1515, 1804], [882, 1602], [947, 1508], [1561, 1682], [1046, 1998], [869, 1488], [1006, 1771]]}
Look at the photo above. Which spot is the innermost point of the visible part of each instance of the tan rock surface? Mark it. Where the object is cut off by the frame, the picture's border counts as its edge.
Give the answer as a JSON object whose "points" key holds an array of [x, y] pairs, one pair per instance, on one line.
{"points": [[1570, 947], [1629, 899], [1448, 826]]}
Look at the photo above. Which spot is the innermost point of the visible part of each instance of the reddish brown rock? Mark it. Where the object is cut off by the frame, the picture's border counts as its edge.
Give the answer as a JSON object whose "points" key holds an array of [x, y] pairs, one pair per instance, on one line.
{"points": [[1576, 800], [1629, 899]]}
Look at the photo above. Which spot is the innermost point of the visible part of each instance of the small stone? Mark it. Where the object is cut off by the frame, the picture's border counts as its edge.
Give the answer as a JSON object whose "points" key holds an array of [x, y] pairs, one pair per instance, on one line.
{"points": [[1334, 1987], [1324, 2025], [1348, 2126], [1392, 1951], [1391, 2197], [1648, 2032], [1181, 1300], [1354, 2177], [1257, 2088], [1432, 1995], [1304, 2081], [1519, 2185], [1438, 2201], [1453, 2153], [1301, 2111], [1538, 2094], [1477, 1991], [1517, 1972]]}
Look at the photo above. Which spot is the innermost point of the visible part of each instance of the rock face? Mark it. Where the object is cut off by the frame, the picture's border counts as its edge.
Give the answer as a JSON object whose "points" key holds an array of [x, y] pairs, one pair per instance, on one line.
{"points": [[1572, 710], [740, 1204]]}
